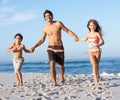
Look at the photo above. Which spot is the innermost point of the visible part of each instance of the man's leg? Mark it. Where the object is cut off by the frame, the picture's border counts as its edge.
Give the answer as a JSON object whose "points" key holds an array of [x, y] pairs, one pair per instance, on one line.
{"points": [[53, 72], [62, 69]]}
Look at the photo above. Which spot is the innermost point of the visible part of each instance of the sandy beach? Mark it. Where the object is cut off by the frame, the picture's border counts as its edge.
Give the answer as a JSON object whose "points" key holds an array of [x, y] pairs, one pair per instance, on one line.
{"points": [[37, 86]]}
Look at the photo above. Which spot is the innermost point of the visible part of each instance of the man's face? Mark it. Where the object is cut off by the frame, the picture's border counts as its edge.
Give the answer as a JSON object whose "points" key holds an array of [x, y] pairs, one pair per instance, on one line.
{"points": [[48, 17]]}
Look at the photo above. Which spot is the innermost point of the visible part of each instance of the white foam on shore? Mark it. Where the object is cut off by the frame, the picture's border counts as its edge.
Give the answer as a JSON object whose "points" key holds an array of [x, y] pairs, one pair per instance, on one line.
{"points": [[109, 74], [119, 74]]}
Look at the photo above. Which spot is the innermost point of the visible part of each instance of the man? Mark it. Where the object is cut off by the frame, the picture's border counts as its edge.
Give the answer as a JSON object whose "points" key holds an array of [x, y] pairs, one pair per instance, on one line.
{"points": [[55, 44]]}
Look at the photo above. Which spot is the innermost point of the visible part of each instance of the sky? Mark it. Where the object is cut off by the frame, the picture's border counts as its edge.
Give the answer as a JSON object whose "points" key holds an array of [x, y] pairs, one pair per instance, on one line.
{"points": [[26, 17]]}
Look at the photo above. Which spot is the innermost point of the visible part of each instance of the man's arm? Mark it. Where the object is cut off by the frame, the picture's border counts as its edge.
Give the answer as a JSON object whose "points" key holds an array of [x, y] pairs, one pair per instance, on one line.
{"points": [[69, 32], [39, 42]]}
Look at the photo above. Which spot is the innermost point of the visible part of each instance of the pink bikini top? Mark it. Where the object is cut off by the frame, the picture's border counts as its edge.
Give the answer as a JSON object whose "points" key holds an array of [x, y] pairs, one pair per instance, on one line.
{"points": [[93, 40]]}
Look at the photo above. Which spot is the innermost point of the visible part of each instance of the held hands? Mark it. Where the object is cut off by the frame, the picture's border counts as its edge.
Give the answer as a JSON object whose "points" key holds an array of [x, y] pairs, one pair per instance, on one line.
{"points": [[76, 38], [80, 39], [32, 49]]}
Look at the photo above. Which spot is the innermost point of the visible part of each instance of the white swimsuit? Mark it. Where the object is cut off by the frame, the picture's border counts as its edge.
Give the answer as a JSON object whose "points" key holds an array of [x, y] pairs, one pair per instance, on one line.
{"points": [[17, 63]]}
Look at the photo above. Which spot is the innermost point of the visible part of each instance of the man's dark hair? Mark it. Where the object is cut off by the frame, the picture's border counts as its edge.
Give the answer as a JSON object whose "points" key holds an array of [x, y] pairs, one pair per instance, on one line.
{"points": [[48, 11], [18, 34]]}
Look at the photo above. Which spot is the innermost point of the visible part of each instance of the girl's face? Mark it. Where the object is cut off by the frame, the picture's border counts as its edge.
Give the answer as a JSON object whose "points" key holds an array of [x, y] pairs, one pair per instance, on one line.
{"points": [[48, 17], [92, 26], [17, 39]]}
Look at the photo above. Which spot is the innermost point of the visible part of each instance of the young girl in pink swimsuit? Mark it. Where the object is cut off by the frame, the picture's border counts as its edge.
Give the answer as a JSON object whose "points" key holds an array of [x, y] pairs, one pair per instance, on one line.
{"points": [[95, 40]]}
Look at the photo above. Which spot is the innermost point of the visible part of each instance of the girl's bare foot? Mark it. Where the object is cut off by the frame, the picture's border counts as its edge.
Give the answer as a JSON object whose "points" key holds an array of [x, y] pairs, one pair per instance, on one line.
{"points": [[21, 83], [18, 84], [96, 82], [63, 81]]}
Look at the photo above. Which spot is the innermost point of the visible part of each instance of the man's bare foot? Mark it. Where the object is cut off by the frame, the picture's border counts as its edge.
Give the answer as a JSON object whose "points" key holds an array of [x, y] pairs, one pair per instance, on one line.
{"points": [[53, 84], [62, 80], [21, 84]]}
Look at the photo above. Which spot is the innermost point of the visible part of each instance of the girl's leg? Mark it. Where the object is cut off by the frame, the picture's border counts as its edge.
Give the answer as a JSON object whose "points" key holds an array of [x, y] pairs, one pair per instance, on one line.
{"points": [[95, 70], [98, 56]]}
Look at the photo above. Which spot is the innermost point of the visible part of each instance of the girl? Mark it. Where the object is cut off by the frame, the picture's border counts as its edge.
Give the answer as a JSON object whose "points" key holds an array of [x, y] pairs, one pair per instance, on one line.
{"points": [[95, 40]]}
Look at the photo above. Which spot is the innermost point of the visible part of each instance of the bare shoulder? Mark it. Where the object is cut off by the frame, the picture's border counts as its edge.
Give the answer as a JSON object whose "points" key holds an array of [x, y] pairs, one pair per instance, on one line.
{"points": [[88, 34], [12, 45], [22, 45], [45, 28], [59, 22], [97, 34]]}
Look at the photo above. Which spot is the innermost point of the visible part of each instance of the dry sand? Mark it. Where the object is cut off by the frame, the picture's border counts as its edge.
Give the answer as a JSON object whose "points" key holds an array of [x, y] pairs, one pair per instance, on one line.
{"points": [[37, 86]]}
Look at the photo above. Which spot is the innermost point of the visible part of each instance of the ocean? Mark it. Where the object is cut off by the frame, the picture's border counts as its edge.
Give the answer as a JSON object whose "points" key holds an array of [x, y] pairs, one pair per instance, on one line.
{"points": [[108, 66]]}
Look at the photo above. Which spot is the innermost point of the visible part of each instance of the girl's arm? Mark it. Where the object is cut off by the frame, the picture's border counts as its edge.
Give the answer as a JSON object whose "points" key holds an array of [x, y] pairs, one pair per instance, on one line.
{"points": [[84, 39], [101, 41]]}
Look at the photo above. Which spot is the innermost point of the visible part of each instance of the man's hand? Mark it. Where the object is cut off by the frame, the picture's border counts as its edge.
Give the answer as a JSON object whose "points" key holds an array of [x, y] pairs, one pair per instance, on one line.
{"points": [[76, 38], [32, 49]]}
